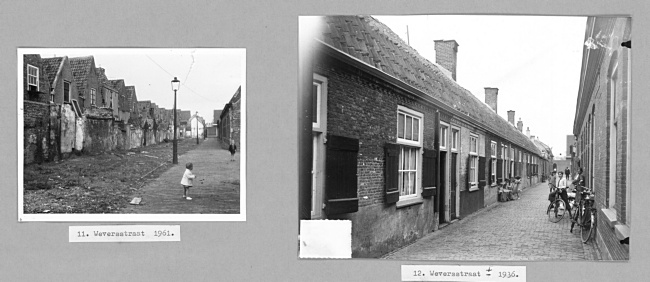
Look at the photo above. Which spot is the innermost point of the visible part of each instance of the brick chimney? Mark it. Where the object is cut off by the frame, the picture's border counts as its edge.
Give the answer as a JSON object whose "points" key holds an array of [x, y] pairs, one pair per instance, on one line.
{"points": [[511, 117], [446, 51], [491, 97], [520, 125], [528, 132]]}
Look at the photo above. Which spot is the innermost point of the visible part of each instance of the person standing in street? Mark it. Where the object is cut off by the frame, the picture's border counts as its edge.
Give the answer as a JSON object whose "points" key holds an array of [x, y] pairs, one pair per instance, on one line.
{"points": [[232, 148], [567, 172], [187, 180]]}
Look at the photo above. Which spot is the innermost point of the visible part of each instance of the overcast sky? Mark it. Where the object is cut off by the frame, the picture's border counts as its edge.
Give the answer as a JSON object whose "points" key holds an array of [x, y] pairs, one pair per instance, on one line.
{"points": [[209, 77], [535, 61]]}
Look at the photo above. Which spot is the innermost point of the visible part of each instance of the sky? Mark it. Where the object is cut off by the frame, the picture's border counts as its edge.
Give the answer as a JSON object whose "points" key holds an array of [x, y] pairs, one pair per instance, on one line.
{"points": [[209, 76], [534, 61]]}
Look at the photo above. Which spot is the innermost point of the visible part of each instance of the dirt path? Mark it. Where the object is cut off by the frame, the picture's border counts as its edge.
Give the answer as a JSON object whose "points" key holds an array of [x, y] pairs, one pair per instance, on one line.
{"points": [[215, 191]]}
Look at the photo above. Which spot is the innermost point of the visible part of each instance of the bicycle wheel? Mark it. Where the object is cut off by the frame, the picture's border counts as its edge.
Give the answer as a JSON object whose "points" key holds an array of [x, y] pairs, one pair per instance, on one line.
{"points": [[574, 217], [557, 211], [588, 226]]}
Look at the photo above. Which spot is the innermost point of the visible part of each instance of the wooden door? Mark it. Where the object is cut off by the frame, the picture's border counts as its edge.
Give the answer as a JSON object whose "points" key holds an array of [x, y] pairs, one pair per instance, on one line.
{"points": [[443, 188], [454, 186]]}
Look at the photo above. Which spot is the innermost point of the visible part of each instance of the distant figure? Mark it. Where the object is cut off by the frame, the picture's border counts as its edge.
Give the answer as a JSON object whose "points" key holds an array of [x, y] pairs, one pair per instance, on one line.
{"points": [[567, 172], [187, 180], [232, 148]]}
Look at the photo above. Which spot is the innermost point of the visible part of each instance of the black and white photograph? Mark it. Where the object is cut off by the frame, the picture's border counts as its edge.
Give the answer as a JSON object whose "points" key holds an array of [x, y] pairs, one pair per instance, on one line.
{"points": [[468, 137], [132, 134]]}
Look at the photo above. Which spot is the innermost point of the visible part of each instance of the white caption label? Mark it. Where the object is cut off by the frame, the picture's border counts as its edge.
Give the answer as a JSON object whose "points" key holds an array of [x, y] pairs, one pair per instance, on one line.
{"points": [[464, 273], [125, 233]]}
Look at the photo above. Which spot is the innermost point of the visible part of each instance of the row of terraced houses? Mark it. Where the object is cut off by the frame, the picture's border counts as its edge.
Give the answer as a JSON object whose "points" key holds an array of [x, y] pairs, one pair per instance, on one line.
{"points": [[70, 106], [394, 144]]}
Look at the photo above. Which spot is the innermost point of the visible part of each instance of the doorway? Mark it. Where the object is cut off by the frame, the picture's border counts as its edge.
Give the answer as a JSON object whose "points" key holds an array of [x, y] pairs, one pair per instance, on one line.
{"points": [[442, 202], [453, 193]]}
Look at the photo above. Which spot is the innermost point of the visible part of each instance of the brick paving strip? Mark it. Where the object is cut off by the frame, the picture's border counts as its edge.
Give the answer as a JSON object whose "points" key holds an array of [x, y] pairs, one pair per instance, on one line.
{"points": [[215, 191], [515, 230]]}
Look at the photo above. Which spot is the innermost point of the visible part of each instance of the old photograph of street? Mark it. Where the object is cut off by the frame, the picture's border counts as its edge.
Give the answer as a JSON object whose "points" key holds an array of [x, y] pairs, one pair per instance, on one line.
{"points": [[132, 134], [468, 137]]}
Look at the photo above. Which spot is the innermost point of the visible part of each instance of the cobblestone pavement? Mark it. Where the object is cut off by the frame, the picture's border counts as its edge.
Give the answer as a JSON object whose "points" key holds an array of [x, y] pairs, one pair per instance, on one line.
{"points": [[215, 191], [514, 230]]}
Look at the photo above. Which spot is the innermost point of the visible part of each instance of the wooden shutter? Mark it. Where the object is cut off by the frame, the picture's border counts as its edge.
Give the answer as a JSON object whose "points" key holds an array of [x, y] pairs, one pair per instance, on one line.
{"points": [[429, 158], [469, 171], [481, 172], [341, 175], [499, 171], [391, 173], [490, 171]]}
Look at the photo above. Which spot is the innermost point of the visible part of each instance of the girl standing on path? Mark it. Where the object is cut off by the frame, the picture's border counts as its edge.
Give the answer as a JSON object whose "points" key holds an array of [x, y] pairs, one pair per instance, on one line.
{"points": [[187, 180], [232, 148]]}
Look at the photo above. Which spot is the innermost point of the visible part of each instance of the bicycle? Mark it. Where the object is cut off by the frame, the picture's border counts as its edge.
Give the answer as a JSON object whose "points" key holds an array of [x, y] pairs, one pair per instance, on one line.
{"points": [[586, 215], [557, 208]]}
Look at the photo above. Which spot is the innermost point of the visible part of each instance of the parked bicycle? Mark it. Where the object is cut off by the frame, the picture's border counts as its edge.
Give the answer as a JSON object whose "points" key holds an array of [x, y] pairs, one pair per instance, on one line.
{"points": [[585, 217], [557, 208]]}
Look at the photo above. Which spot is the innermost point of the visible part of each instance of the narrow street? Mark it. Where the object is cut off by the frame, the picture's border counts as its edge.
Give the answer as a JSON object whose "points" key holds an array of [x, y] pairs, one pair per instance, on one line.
{"points": [[513, 230], [215, 191]]}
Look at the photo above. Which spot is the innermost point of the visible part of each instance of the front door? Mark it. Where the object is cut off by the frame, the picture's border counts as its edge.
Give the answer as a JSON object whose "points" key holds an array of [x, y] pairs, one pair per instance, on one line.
{"points": [[453, 193], [442, 199]]}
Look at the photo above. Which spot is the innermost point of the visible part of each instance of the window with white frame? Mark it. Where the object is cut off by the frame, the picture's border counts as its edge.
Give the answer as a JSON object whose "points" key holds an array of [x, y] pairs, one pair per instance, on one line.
{"points": [[319, 102], [454, 138], [32, 77], [493, 162], [93, 96], [408, 125], [409, 136], [473, 160], [443, 136], [493, 149], [512, 154]]}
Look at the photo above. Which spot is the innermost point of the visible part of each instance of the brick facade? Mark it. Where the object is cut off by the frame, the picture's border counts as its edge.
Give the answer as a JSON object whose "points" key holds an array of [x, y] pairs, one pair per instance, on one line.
{"points": [[601, 114]]}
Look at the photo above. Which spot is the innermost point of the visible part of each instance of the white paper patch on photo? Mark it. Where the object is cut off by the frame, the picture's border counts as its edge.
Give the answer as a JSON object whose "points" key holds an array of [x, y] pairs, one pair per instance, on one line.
{"points": [[325, 239]]}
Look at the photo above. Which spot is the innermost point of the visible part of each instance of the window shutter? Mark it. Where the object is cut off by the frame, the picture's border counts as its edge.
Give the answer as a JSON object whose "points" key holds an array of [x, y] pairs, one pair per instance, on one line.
{"points": [[499, 171], [429, 158], [490, 171], [391, 173], [341, 175], [481, 172], [469, 172]]}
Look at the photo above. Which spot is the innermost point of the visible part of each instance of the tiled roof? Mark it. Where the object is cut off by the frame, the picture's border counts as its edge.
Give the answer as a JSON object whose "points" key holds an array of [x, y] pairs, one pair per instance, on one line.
{"points": [[367, 39], [81, 67], [51, 66], [116, 83]]}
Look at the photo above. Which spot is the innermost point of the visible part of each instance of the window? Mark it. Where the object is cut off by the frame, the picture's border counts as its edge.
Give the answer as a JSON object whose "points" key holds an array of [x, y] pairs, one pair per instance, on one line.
{"points": [[66, 92], [443, 136], [454, 139], [493, 149], [473, 160], [408, 126], [93, 94], [408, 167], [319, 103], [512, 154], [410, 145], [32, 77]]}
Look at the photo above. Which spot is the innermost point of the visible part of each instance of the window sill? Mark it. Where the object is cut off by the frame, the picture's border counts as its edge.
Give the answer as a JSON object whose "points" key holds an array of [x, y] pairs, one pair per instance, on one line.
{"points": [[610, 217], [622, 231], [408, 202], [473, 188]]}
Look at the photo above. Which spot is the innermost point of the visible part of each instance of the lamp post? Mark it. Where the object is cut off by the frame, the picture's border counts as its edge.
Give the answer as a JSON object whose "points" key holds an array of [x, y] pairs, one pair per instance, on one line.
{"points": [[197, 127], [175, 84]]}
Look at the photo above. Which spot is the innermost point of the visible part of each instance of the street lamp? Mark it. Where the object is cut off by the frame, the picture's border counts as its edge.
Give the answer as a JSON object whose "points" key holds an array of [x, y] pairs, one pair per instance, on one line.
{"points": [[175, 85], [197, 127]]}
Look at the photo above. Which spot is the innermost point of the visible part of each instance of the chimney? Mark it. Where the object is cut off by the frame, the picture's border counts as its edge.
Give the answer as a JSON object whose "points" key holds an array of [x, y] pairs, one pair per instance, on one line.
{"points": [[532, 137], [511, 117], [528, 132], [446, 51], [491, 97], [520, 125]]}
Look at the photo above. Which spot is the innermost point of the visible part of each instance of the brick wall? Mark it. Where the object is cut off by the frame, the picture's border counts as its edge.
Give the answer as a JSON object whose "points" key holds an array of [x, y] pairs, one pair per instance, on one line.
{"points": [[37, 141]]}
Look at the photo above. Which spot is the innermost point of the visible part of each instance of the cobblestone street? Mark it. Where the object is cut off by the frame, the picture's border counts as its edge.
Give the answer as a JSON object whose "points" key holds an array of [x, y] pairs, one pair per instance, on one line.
{"points": [[513, 230]]}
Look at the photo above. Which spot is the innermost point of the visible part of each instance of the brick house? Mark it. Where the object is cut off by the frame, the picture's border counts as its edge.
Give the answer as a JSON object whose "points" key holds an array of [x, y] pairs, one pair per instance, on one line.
{"points": [[107, 94], [394, 144], [119, 107], [85, 78], [230, 120], [184, 128], [61, 80], [35, 79], [601, 129]]}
